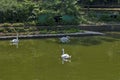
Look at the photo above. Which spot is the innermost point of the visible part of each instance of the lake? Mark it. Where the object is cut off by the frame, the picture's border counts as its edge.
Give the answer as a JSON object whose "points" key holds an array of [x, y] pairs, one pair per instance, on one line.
{"points": [[93, 58]]}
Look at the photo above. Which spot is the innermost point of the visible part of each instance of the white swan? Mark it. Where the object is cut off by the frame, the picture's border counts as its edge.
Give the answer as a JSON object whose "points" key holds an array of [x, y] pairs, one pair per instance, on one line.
{"points": [[65, 39], [15, 40], [65, 57]]}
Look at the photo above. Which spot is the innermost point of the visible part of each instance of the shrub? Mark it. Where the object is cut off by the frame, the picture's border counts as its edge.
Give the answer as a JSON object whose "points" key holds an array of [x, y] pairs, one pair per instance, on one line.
{"points": [[53, 32], [69, 19], [32, 28], [118, 18], [1, 29], [43, 31], [46, 20], [105, 17], [18, 24], [8, 29], [46, 17], [50, 21], [20, 29], [72, 30], [6, 25], [33, 23]]}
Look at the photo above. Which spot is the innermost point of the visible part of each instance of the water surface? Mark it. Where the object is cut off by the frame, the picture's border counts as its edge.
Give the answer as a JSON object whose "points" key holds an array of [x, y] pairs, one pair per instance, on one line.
{"points": [[39, 59]]}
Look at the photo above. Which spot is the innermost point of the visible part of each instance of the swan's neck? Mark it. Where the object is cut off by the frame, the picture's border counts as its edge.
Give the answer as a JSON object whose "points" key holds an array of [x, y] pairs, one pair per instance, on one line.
{"points": [[17, 36], [63, 52]]}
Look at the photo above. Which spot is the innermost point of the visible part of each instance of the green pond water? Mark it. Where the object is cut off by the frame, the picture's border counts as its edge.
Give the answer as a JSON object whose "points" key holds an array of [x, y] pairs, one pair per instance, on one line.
{"points": [[93, 58]]}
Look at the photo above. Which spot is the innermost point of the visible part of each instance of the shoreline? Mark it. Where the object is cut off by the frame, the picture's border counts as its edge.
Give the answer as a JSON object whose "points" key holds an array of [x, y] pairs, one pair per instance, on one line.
{"points": [[78, 34]]}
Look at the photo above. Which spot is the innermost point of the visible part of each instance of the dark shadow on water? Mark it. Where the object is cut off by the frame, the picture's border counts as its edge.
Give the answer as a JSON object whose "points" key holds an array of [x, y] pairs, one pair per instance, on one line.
{"points": [[89, 41], [108, 39], [114, 35], [86, 41]]}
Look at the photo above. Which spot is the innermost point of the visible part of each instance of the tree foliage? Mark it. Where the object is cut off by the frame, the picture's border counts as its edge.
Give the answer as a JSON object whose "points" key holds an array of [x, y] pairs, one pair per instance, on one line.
{"points": [[29, 10]]}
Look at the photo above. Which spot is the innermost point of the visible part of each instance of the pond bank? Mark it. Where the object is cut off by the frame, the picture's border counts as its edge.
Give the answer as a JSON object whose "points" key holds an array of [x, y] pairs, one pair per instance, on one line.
{"points": [[103, 27], [97, 27], [78, 34]]}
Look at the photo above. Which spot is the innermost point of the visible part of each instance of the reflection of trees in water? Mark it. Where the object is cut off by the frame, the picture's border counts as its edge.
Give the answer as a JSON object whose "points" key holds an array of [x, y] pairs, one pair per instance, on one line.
{"points": [[114, 52], [116, 47], [85, 41], [92, 40], [110, 55]]}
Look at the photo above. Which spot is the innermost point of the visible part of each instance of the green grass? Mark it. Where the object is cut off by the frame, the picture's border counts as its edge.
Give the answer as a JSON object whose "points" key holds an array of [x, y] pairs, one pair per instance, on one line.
{"points": [[39, 59]]}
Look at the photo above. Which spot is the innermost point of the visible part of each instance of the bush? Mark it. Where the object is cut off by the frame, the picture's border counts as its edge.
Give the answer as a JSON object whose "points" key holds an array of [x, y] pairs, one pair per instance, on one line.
{"points": [[118, 18], [48, 21], [9, 30], [32, 29], [105, 17], [46, 17], [33, 23], [69, 19], [2, 29], [18, 24], [53, 32], [13, 11], [43, 31], [6, 25], [20, 29], [72, 30]]}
